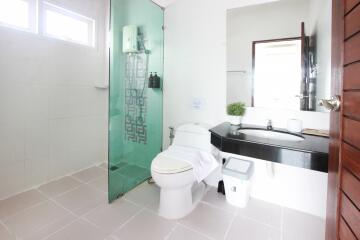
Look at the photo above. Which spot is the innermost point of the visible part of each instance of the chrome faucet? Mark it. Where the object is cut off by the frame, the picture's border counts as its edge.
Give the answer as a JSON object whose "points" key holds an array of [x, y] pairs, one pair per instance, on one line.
{"points": [[269, 125]]}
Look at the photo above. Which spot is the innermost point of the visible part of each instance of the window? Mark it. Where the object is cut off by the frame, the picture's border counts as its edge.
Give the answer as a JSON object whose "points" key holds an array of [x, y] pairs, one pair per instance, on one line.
{"points": [[69, 26], [19, 14], [56, 22], [277, 66]]}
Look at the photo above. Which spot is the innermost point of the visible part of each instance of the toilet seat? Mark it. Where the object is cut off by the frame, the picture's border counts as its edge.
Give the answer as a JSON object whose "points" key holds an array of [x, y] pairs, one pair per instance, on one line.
{"points": [[168, 165]]}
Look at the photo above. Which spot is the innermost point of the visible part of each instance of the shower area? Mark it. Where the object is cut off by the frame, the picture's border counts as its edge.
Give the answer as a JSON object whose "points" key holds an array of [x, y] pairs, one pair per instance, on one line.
{"points": [[135, 98]]}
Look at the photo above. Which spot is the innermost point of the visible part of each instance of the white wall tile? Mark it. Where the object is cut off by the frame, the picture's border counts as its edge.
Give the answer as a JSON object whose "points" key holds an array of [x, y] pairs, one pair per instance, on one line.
{"points": [[36, 171], [12, 99], [37, 138], [74, 101], [76, 143], [60, 161], [53, 120], [36, 102], [12, 179], [12, 143]]}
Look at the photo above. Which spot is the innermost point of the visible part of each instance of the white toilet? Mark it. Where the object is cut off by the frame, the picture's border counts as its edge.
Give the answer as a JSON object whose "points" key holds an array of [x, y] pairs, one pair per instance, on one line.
{"points": [[180, 190]]}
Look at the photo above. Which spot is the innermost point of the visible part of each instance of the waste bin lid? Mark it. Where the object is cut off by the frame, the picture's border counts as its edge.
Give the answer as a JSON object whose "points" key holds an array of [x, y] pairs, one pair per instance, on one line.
{"points": [[238, 168]]}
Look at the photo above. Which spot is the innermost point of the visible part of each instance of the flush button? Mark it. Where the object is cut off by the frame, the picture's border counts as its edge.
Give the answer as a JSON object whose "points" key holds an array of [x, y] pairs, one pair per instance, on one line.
{"points": [[197, 103]]}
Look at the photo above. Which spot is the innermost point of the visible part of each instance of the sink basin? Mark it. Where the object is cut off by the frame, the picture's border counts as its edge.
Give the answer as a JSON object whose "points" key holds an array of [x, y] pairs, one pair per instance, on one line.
{"points": [[269, 134]]}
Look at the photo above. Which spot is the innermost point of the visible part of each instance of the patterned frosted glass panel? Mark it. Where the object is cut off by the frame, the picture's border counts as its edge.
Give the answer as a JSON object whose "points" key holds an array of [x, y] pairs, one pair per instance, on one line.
{"points": [[135, 111]]}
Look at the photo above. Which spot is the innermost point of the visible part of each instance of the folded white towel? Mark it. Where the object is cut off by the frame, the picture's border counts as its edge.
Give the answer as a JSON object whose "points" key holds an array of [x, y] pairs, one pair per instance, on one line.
{"points": [[203, 163]]}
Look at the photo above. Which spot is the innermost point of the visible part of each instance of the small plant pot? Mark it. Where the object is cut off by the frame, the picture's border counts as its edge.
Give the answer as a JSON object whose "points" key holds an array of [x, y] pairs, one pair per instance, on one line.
{"points": [[235, 120]]}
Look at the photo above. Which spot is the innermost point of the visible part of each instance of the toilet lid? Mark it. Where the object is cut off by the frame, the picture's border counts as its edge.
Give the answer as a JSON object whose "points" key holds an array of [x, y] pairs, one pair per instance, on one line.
{"points": [[165, 164]]}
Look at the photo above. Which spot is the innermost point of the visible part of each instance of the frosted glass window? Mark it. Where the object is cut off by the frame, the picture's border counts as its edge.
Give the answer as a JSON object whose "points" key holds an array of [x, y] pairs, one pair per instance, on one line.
{"points": [[69, 26], [277, 75], [19, 14]]}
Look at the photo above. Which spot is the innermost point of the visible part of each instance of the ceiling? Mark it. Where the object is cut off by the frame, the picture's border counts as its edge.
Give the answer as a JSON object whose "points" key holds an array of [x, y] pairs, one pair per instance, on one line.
{"points": [[230, 3]]}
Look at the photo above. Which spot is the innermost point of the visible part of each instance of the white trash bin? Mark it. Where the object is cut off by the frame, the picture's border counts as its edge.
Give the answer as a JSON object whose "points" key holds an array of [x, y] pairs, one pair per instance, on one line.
{"points": [[237, 175]]}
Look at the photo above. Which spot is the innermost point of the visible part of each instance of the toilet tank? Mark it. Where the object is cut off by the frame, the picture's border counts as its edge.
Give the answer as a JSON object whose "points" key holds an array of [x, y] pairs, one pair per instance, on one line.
{"points": [[193, 135]]}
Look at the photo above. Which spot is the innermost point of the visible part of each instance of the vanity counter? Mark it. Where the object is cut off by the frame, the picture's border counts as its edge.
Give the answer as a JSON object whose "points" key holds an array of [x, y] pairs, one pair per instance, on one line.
{"points": [[310, 153]]}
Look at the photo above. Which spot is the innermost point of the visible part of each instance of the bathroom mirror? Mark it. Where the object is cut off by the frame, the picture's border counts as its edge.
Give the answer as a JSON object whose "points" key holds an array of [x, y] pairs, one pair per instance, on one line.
{"points": [[279, 54]]}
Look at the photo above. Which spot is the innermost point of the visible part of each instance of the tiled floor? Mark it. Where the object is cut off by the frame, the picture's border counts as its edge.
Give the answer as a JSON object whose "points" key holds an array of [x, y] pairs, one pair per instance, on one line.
{"points": [[75, 208]]}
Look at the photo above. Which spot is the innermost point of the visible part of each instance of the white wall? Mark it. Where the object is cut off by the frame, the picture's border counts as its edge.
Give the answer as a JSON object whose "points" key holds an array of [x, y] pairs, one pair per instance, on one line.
{"points": [[195, 66], [52, 119], [195, 63]]}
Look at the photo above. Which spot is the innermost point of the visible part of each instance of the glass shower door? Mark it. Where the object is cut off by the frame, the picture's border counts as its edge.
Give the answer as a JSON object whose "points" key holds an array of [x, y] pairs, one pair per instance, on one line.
{"points": [[135, 110]]}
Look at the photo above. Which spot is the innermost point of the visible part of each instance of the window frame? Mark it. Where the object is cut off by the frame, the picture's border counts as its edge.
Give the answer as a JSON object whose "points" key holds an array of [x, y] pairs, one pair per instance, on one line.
{"points": [[32, 21], [47, 6], [254, 43]]}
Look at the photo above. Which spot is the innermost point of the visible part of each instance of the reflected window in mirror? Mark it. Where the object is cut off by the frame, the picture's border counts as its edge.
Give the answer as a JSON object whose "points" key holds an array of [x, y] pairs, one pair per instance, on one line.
{"points": [[277, 74]]}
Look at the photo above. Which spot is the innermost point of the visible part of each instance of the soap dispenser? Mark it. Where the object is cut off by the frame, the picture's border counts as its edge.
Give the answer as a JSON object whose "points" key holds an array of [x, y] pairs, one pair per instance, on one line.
{"points": [[156, 81], [151, 80]]}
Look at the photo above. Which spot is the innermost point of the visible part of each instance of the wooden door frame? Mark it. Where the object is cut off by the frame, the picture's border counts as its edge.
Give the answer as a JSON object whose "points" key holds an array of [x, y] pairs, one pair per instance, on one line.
{"points": [[333, 195]]}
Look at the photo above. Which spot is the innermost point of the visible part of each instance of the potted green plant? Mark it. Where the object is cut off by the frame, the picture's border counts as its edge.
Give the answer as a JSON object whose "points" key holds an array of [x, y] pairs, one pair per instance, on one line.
{"points": [[236, 111]]}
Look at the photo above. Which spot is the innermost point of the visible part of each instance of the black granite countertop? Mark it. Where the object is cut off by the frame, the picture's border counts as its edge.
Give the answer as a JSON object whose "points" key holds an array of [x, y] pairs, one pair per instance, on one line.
{"points": [[310, 153]]}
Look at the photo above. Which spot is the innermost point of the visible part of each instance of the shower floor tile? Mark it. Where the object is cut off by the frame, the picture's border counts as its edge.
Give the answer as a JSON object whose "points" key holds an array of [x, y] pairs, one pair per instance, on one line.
{"points": [[76, 208]]}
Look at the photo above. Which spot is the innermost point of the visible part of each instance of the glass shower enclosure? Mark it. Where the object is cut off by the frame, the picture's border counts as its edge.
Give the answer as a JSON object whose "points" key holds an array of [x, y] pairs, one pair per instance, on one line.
{"points": [[135, 106]]}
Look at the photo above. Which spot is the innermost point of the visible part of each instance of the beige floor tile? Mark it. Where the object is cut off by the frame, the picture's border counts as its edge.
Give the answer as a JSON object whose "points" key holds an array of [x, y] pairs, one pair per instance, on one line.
{"points": [[79, 230], [100, 184], [60, 186], [81, 199], [244, 228], [90, 174], [155, 202], [111, 216], [32, 216], [52, 227], [154, 207], [300, 226], [263, 212], [218, 200], [111, 238], [208, 220], [33, 219], [145, 194], [145, 225], [104, 166], [5, 234], [182, 233], [13, 205]]}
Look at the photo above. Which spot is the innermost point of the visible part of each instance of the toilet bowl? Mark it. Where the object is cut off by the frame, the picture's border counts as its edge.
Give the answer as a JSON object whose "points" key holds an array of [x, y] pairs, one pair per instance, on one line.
{"points": [[179, 189]]}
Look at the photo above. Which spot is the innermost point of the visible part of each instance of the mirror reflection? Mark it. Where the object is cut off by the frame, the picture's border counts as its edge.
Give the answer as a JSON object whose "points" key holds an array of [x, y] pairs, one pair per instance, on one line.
{"points": [[278, 54], [277, 63]]}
